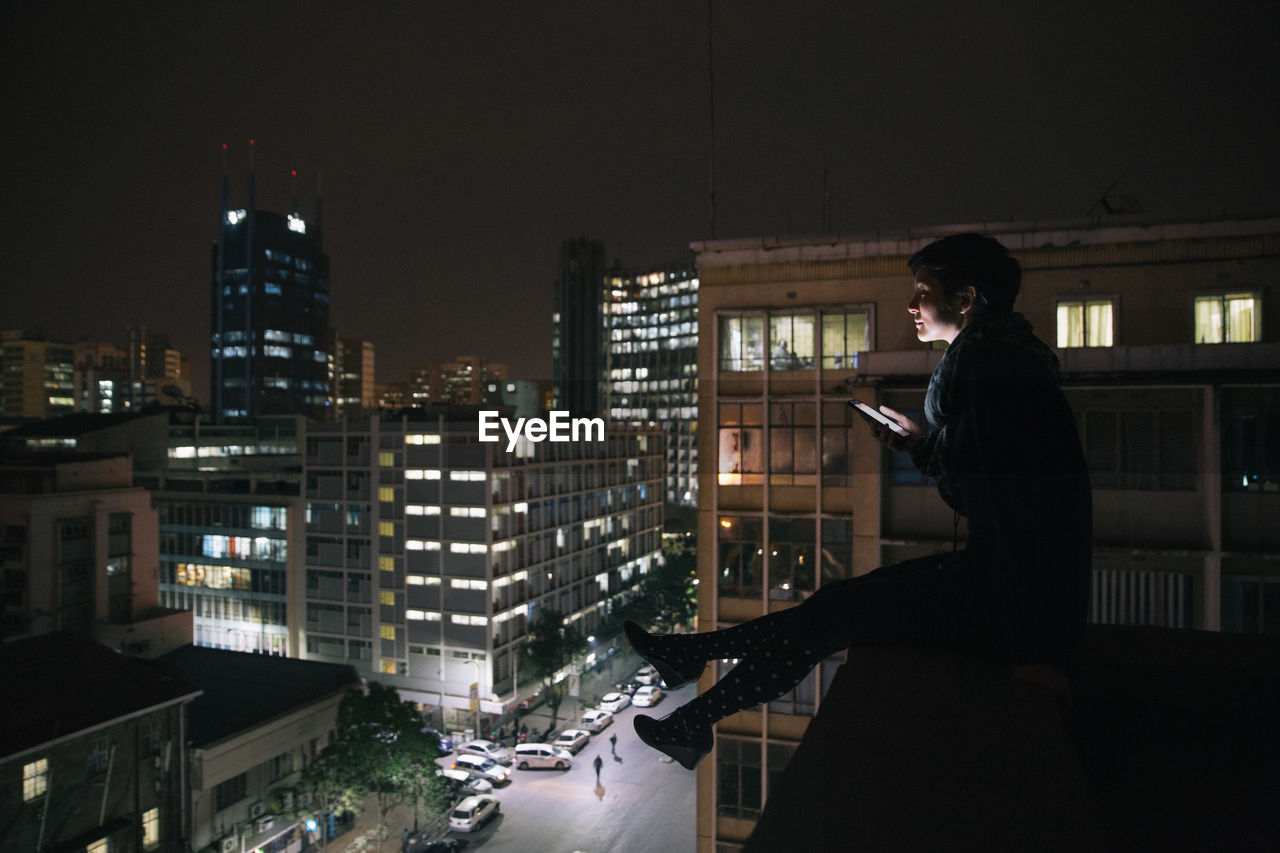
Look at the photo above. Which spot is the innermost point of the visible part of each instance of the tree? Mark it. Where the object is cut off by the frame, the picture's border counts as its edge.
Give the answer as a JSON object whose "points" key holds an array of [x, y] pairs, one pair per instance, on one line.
{"points": [[553, 645], [672, 583], [381, 749], [333, 789]]}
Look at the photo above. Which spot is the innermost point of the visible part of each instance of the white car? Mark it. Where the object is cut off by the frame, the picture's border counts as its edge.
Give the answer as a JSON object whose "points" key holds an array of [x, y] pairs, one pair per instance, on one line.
{"points": [[614, 702], [485, 748], [489, 769], [473, 813], [647, 675], [647, 697], [596, 721], [530, 755], [466, 780], [570, 739]]}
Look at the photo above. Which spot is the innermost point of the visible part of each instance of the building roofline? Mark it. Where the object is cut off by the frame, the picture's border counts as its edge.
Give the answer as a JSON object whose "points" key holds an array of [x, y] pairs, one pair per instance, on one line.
{"points": [[1017, 235]]}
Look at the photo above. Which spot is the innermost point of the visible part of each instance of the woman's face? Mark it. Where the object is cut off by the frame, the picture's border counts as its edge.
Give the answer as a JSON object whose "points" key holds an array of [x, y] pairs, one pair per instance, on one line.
{"points": [[937, 318]]}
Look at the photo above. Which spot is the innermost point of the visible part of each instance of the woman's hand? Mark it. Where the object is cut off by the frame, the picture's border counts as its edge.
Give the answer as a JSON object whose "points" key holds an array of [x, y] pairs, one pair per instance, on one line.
{"points": [[893, 440]]}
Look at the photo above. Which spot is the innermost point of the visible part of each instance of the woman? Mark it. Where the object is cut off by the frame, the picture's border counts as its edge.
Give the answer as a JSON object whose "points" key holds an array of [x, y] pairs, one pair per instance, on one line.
{"points": [[1002, 445]]}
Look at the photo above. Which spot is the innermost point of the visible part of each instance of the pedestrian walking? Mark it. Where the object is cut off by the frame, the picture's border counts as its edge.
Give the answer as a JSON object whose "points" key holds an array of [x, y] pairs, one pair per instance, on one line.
{"points": [[597, 764], [613, 743]]}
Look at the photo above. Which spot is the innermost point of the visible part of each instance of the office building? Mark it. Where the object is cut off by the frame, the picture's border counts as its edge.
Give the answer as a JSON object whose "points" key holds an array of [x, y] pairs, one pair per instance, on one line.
{"points": [[577, 343], [270, 314], [38, 379], [225, 505], [1171, 360], [651, 370], [354, 390], [429, 553]]}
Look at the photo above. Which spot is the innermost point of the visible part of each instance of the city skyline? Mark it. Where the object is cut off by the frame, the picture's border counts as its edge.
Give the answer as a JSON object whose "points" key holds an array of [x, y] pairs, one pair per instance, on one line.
{"points": [[456, 148]]}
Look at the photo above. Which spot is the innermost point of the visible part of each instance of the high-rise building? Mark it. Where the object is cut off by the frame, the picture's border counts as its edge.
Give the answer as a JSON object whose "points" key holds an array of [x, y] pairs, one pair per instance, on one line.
{"points": [[1171, 364], [577, 344], [38, 379], [429, 553], [270, 330], [651, 369], [353, 376]]}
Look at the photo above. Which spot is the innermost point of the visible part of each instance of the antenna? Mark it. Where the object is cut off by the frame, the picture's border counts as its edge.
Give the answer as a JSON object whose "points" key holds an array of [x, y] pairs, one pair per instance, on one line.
{"points": [[293, 191], [1102, 199]]}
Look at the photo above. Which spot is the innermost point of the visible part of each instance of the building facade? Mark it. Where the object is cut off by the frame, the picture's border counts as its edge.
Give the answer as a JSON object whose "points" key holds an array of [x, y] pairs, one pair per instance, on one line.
{"points": [[103, 772], [37, 378], [1170, 355], [270, 315], [353, 376], [429, 553], [651, 369], [577, 319]]}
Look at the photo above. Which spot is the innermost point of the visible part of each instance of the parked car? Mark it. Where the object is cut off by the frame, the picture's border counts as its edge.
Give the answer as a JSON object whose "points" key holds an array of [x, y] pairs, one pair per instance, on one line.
{"points": [[530, 755], [570, 739], [647, 675], [614, 702], [596, 720], [487, 749], [486, 767], [445, 742], [647, 696], [466, 782], [473, 813]]}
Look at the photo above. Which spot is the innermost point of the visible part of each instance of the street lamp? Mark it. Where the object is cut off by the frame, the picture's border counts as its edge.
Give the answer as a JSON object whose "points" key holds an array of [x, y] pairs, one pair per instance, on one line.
{"points": [[476, 695]]}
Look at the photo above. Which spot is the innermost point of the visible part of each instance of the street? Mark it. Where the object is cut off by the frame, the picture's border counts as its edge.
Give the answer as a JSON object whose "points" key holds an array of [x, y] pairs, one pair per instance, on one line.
{"points": [[644, 801]]}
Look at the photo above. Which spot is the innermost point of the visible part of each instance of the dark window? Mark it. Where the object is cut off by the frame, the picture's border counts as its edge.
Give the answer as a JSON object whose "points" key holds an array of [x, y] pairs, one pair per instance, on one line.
{"points": [[230, 792], [741, 556]]}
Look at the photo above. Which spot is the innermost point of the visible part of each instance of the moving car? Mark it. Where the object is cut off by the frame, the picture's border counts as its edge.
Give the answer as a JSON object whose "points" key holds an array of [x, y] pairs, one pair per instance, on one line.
{"points": [[446, 742], [491, 770], [473, 813], [647, 696], [647, 675], [614, 702], [487, 749], [529, 755], [628, 688], [570, 739], [596, 720], [466, 781]]}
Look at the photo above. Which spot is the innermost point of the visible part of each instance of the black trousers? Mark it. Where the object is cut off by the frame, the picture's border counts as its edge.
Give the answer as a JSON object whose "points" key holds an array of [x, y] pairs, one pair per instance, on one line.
{"points": [[942, 600]]}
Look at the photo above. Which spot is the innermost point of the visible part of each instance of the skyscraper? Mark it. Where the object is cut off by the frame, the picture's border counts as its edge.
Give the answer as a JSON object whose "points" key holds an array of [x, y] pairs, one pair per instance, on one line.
{"points": [[577, 346], [270, 330]]}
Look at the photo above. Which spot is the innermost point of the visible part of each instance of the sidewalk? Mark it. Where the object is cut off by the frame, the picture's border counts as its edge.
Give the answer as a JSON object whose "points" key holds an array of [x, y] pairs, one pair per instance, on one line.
{"points": [[362, 838]]}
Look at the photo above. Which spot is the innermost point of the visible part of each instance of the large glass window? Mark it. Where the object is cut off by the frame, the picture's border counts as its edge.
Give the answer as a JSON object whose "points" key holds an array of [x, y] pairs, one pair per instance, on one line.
{"points": [[792, 444], [741, 444], [739, 777], [151, 829], [837, 418], [741, 343], [741, 556], [35, 779], [844, 333], [1250, 597], [1140, 449], [837, 549], [1251, 449], [1085, 323], [791, 562], [791, 341], [1228, 318]]}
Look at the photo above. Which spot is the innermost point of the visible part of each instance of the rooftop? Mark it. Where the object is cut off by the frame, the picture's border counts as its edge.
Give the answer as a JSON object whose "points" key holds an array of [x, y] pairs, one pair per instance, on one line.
{"points": [[242, 690], [57, 685], [1170, 743]]}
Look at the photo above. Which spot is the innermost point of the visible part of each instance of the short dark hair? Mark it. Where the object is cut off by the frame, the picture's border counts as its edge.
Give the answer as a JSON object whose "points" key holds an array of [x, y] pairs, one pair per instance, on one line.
{"points": [[963, 260]]}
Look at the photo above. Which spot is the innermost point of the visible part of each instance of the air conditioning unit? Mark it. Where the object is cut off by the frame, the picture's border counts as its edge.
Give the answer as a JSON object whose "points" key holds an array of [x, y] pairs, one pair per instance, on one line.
{"points": [[229, 844], [258, 809], [264, 823]]}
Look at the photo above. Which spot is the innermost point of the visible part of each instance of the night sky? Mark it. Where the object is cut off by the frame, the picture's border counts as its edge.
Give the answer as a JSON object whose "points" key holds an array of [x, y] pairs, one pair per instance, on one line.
{"points": [[459, 143]]}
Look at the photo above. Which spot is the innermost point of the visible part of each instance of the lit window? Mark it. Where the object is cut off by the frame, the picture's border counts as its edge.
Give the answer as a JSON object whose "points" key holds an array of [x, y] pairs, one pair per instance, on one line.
{"points": [[150, 828], [415, 615], [387, 564], [1084, 323], [35, 779], [388, 667], [791, 340], [1229, 318], [386, 459], [386, 528], [422, 439], [386, 494], [843, 334], [388, 632], [465, 476], [416, 580], [99, 846], [741, 343], [388, 598], [276, 351]]}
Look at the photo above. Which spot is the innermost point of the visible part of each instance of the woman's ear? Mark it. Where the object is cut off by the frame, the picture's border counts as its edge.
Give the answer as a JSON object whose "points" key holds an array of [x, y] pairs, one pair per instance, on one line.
{"points": [[968, 297]]}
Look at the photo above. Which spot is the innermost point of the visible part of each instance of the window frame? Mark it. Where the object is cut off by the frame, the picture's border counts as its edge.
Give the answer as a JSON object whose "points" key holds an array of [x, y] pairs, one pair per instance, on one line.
{"points": [[1083, 301], [1221, 294]]}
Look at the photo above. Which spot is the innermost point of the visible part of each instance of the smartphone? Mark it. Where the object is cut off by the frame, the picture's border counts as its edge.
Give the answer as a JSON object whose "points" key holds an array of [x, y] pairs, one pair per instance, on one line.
{"points": [[874, 416]]}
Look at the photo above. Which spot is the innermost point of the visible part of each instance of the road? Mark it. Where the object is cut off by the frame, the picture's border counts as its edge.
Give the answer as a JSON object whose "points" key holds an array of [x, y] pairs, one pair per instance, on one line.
{"points": [[644, 801]]}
